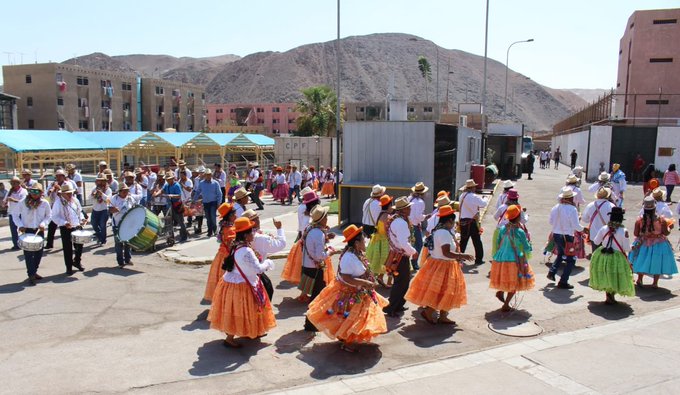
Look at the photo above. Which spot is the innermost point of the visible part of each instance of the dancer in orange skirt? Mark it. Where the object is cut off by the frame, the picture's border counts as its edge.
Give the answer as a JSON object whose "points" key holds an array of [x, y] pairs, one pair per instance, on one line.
{"points": [[328, 188], [510, 270], [226, 236], [240, 305], [440, 285], [432, 221], [350, 310], [293, 268]]}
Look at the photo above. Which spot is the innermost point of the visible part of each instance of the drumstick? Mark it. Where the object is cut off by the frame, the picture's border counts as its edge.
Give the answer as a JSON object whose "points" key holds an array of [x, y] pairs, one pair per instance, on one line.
{"points": [[203, 163]]}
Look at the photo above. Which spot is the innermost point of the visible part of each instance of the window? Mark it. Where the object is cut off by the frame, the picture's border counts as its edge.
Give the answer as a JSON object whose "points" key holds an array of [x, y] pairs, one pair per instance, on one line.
{"points": [[160, 90], [28, 79], [106, 104], [221, 110], [161, 111], [427, 109], [665, 21], [61, 124], [360, 109], [82, 125], [663, 101], [82, 81], [291, 121], [175, 110], [31, 124], [175, 93], [59, 77], [275, 109], [260, 109], [411, 109], [126, 86], [202, 96], [29, 101], [260, 121], [275, 121], [126, 106], [82, 102], [661, 60], [60, 101]]}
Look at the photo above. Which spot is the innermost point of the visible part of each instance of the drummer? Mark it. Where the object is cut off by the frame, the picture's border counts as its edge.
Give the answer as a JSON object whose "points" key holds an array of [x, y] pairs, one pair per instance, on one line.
{"points": [[173, 192], [136, 191], [32, 215], [68, 215], [100, 197], [120, 204]]}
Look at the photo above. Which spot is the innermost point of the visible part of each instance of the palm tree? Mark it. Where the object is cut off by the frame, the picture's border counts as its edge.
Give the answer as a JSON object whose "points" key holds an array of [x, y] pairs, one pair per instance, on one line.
{"points": [[317, 111], [426, 72]]}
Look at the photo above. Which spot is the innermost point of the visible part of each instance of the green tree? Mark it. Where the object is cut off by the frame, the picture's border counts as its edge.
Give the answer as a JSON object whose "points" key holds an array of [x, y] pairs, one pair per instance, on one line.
{"points": [[317, 111], [425, 72]]}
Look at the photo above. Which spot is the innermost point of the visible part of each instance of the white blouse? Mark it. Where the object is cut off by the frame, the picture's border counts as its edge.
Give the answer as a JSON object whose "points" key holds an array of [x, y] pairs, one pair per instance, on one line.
{"points": [[351, 265], [441, 238], [250, 266], [603, 238], [303, 220]]}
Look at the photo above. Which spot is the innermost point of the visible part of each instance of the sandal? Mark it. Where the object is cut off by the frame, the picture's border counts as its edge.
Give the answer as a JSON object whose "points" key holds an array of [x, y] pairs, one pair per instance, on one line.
{"points": [[447, 321], [428, 319], [349, 349], [229, 344], [499, 296]]}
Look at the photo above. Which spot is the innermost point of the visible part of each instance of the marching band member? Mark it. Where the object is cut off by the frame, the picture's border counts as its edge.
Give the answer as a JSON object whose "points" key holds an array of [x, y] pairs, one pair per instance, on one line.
{"points": [[15, 194], [53, 192], [100, 197], [67, 214], [120, 204], [32, 215]]}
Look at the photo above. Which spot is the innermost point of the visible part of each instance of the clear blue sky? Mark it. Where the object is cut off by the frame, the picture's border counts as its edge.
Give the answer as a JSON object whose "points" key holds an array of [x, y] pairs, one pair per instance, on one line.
{"points": [[576, 42]]}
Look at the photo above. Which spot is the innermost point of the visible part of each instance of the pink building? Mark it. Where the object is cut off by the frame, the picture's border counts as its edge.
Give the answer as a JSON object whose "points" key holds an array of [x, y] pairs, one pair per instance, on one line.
{"points": [[648, 85], [276, 118]]}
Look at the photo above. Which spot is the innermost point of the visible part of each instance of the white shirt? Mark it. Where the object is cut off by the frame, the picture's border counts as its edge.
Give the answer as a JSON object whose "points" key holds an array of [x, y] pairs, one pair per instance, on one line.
{"points": [[280, 179], [399, 234], [104, 204], [351, 265], [306, 178], [69, 213], [315, 248], [433, 220], [501, 221], [371, 212], [294, 178], [265, 244], [25, 217], [250, 266], [470, 204], [18, 195], [238, 210], [254, 175], [662, 210], [502, 199], [303, 220], [186, 195], [603, 238], [136, 192], [590, 214], [144, 183], [221, 178], [114, 186], [123, 205], [417, 215], [441, 238], [152, 178], [186, 171], [564, 219], [77, 178], [54, 196]]}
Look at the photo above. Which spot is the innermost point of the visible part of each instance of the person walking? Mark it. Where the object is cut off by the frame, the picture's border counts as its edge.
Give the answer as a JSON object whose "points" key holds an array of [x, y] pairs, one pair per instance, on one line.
{"points": [[100, 197], [596, 214], [565, 223], [470, 204], [399, 231], [209, 190], [371, 210], [67, 214], [416, 218], [256, 179], [619, 184], [573, 156], [557, 157], [173, 192], [530, 164], [671, 178], [121, 204], [638, 165], [31, 216], [221, 177], [15, 194], [294, 182]]}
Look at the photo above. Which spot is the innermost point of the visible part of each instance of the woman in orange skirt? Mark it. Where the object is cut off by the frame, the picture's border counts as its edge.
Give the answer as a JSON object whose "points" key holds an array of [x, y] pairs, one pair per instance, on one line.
{"points": [[226, 237], [349, 309], [440, 285], [510, 270], [292, 271], [240, 305], [328, 188]]}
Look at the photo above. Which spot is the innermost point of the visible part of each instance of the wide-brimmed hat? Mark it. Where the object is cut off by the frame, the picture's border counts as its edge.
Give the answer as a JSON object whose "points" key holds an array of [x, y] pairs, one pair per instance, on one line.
{"points": [[305, 190], [377, 190], [128, 174], [616, 214], [309, 197], [385, 200], [240, 193], [224, 209], [138, 170], [250, 214], [604, 176], [513, 194], [181, 163], [255, 164], [566, 193], [26, 171], [37, 186], [169, 176], [200, 169], [513, 212], [446, 211], [469, 184], [123, 187], [304, 168], [66, 188], [419, 188], [318, 213], [243, 224], [70, 167], [657, 193], [649, 203], [572, 179], [100, 178], [278, 168], [108, 171], [507, 184], [207, 172], [603, 193], [351, 232], [442, 201], [102, 163], [59, 173], [401, 203]]}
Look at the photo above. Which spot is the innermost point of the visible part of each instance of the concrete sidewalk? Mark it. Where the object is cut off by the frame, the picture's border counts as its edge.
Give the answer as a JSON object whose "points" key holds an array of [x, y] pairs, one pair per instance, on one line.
{"points": [[638, 355]]}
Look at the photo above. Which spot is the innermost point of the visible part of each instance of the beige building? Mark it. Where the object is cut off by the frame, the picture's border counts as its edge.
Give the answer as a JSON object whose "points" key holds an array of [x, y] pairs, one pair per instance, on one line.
{"points": [[375, 111], [61, 96]]}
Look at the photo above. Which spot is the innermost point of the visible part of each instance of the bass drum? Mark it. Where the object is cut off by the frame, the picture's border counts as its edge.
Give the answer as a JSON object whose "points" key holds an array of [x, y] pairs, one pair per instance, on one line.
{"points": [[139, 228]]}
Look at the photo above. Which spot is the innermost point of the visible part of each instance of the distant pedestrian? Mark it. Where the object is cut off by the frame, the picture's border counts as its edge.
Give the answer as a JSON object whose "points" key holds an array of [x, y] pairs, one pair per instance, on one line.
{"points": [[557, 156], [574, 156], [638, 164], [530, 164], [671, 178]]}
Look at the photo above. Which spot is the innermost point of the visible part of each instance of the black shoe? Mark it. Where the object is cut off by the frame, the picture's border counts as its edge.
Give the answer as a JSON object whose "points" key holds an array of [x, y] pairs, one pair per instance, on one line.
{"points": [[129, 263], [31, 280], [120, 266], [564, 286], [210, 234], [259, 208], [15, 248], [69, 272], [477, 263], [401, 309], [551, 276], [38, 277], [79, 267]]}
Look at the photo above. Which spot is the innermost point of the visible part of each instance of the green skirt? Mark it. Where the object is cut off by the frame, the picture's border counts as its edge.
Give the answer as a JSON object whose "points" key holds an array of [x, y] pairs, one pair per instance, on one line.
{"points": [[376, 253], [611, 273]]}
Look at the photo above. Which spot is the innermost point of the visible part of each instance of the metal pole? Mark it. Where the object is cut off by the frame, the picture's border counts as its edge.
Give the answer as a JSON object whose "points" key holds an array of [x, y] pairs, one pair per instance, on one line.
{"points": [[437, 111], [337, 107], [507, 59], [486, 45]]}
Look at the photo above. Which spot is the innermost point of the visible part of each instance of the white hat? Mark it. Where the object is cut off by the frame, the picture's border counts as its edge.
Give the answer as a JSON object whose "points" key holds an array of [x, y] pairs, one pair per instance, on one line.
{"points": [[469, 184], [566, 193], [102, 163], [572, 179], [604, 176], [378, 190], [402, 203], [507, 184]]}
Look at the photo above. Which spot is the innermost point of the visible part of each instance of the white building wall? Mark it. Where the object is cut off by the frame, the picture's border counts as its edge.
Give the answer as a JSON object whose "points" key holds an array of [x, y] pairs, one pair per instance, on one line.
{"points": [[667, 137], [600, 149], [469, 153]]}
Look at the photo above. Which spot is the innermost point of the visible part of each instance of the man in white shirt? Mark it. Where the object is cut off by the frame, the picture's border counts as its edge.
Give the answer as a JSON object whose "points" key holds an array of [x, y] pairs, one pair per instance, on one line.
{"points": [[143, 182], [564, 221], [32, 215], [67, 214], [371, 210], [134, 189], [113, 183], [15, 194], [121, 204], [256, 180], [100, 198], [77, 179], [399, 233], [53, 195], [596, 214], [27, 181], [182, 168], [470, 203], [152, 177], [572, 183], [307, 180], [416, 218], [294, 182]]}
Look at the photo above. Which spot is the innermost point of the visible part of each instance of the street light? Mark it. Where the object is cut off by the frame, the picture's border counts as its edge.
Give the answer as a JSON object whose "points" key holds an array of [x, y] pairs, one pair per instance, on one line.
{"points": [[507, 58]]}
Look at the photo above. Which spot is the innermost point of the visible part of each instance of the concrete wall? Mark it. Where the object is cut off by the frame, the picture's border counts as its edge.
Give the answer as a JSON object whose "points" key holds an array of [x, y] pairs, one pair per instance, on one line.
{"points": [[600, 149], [667, 137], [309, 151]]}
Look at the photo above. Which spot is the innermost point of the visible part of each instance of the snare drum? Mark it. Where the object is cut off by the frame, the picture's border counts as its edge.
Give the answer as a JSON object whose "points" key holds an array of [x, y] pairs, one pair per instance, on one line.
{"points": [[139, 227], [30, 242], [81, 236]]}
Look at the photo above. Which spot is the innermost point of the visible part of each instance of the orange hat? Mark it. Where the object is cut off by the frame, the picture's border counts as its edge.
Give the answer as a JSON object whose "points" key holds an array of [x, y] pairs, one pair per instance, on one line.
{"points": [[442, 193], [513, 212], [279, 168], [445, 211], [653, 184], [351, 232], [243, 224], [385, 200], [224, 209]]}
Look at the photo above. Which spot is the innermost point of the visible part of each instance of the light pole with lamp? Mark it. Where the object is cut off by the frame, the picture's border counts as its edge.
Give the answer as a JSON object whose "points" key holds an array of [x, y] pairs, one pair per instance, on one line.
{"points": [[337, 110], [507, 59]]}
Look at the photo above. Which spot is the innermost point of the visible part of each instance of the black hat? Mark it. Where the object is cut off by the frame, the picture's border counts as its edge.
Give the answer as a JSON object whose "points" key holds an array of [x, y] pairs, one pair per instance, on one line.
{"points": [[616, 215]]}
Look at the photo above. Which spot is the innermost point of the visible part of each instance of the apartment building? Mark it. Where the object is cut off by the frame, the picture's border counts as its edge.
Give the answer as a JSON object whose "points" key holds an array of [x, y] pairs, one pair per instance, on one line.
{"points": [[375, 111], [171, 104], [275, 118]]}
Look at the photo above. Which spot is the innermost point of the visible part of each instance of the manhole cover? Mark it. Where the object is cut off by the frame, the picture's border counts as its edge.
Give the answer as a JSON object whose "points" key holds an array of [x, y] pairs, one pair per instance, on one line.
{"points": [[513, 324]]}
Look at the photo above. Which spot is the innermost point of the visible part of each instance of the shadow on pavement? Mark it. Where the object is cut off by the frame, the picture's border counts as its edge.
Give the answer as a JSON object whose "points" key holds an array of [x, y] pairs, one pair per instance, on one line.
{"points": [[423, 334], [293, 341], [558, 295], [116, 271], [285, 285], [105, 251], [614, 312], [214, 357], [199, 323], [12, 288], [329, 360], [506, 320], [290, 307], [649, 294]]}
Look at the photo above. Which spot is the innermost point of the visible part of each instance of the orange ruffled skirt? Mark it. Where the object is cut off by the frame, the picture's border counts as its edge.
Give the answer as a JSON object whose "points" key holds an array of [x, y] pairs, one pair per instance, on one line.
{"points": [[439, 284], [216, 273], [505, 277], [235, 312], [424, 254], [328, 188], [293, 268], [365, 321]]}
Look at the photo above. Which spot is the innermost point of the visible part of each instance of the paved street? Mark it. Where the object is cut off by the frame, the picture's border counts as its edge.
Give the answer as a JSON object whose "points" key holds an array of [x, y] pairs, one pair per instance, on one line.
{"points": [[144, 330]]}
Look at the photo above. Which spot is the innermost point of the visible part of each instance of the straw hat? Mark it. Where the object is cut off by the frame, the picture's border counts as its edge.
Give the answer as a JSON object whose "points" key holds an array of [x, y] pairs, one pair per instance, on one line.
{"points": [[26, 171], [572, 179], [469, 184], [377, 191], [250, 214], [169, 176], [37, 186], [513, 194], [123, 187], [309, 197], [318, 213], [66, 188], [446, 211], [129, 174], [657, 193], [305, 190], [351, 232], [649, 203], [385, 200], [138, 170], [70, 167], [207, 172], [200, 169], [240, 193], [566, 193], [181, 163], [402, 203], [15, 179], [102, 178], [604, 176], [243, 224], [224, 209], [59, 173], [419, 188], [603, 193], [513, 212], [507, 184], [102, 163], [255, 164], [108, 171], [442, 201]]}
